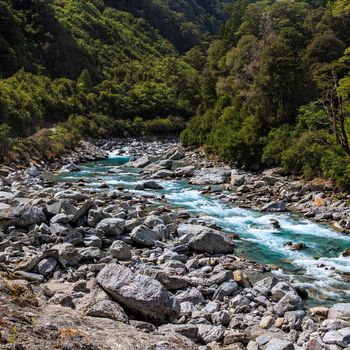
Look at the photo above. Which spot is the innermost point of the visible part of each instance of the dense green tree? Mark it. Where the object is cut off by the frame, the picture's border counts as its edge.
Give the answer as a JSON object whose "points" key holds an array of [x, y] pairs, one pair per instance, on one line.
{"points": [[281, 66]]}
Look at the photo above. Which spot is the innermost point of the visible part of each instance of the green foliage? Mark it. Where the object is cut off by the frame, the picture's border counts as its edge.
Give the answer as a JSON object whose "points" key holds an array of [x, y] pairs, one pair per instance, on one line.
{"points": [[96, 65], [276, 143], [283, 70], [5, 142]]}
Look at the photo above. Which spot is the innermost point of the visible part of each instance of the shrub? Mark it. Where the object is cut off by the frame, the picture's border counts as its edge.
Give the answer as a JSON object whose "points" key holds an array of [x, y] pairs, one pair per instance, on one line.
{"points": [[5, 141]]}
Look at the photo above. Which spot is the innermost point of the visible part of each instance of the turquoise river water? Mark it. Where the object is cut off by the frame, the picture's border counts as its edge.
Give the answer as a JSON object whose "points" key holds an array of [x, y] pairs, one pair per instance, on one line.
{"points": [[318, 267]]}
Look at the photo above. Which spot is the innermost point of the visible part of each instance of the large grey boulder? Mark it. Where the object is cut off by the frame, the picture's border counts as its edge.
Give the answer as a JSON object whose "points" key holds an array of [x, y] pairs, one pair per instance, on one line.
{"points": [[237, 180], [111, 226], [341, 337], [187, 171], [190, 230], [141, 162], [340, 311], [152, 185], [140, 294], [281, 289], [166, 164], [226, 289], [162, 174], [211, 176], [21, 216], [212, 242], [264, 286], [289, 302], [278, 206], [176, 154], [144, 236]]}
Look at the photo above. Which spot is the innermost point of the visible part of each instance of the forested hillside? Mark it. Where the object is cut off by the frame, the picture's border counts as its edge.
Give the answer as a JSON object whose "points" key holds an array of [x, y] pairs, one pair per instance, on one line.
{"points": [[266, 82], [277, 91], [100, 64]]}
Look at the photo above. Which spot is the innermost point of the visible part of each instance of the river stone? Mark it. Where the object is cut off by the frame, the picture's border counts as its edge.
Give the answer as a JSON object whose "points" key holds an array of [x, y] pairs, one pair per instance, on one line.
{"points": [[226, 289], [267, 322], [120, 250], [93, 241], [61, 218], [176, 154], [187, 171], [278, 344], [281, 289], [75, 238], [95, 216], [141, 162], [111, 226], [219, 277], [163, 174], [6, 196], [60, 230], [21, 216], [33, 171], [71, 167], [333, 325], [277, 206], [153, 220], [340, 337], [212, 242], [144, 236], [221, 318], [166, 164], [192, 295], [67, 254], [190, 230], [152, 185], [4, 206], [340, 311], [162, 231], [91, 254], [211, 176], [264, 286], [289, 302], [47, 266], [208, 333], [107, 309], [237, 180], [140, 294], [28, 276]]}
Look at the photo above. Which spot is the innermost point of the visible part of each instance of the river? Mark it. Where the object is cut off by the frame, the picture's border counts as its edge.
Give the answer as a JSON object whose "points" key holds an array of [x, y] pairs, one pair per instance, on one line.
{"points": [[318, 267]]}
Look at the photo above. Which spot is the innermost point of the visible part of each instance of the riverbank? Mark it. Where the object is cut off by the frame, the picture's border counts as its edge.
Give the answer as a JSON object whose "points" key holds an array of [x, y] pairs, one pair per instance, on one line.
{"points": [[162, 277], [270, 190]]}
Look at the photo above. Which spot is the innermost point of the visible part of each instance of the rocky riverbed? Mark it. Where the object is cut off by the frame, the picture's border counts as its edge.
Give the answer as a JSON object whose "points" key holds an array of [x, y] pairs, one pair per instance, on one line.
{"points": [[105, 268]]}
